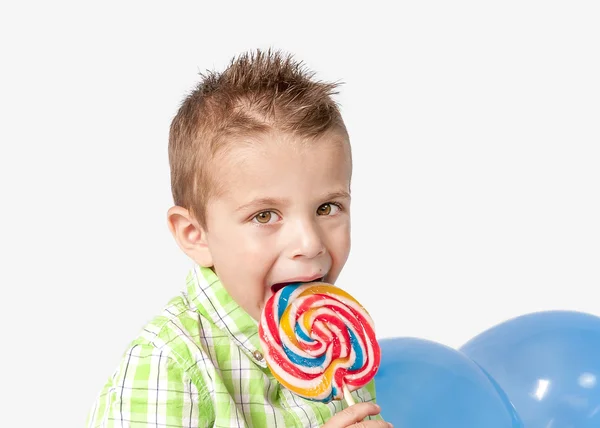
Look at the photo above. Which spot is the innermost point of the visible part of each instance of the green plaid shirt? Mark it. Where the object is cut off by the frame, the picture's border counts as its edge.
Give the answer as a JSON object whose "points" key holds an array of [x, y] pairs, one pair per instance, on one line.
{"points": [[199, 364]]}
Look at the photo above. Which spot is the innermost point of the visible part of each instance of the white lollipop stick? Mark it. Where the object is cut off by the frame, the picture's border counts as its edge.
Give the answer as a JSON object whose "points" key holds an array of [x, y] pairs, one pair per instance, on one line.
{"points": [[348, 396]]}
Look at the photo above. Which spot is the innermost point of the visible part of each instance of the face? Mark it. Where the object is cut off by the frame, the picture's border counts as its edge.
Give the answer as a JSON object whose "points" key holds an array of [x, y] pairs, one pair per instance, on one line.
{"points": [[284, 216]]}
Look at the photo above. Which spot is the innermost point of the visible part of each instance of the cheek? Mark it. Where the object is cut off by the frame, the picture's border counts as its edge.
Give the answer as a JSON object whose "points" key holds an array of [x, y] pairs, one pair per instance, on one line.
{"points": [[339, 247], [245, 248]]}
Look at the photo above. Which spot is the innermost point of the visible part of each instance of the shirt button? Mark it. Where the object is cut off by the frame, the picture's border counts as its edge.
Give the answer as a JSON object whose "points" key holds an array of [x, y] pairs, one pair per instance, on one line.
{"points": [[257, 355]]}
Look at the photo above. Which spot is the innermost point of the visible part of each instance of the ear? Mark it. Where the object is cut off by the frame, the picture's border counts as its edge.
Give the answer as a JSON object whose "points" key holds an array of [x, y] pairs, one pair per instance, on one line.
{"points": [[189, 235]]}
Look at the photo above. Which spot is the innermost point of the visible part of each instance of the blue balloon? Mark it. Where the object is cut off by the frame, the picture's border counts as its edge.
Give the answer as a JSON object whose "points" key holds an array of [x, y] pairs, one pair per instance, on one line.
{"points": [[548, 363], [423, 384]]}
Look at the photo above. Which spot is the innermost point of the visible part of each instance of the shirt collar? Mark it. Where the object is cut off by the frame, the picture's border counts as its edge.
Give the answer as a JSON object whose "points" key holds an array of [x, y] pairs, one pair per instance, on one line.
{"points": [[208, 297]]}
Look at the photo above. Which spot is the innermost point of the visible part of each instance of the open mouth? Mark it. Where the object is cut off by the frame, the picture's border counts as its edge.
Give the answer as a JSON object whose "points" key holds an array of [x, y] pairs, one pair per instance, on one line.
{"points": [[276, 287]]}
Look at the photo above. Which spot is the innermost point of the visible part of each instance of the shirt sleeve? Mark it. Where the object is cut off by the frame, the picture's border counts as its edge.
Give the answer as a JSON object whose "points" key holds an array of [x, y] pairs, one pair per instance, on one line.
{"points": [[151, 389]]}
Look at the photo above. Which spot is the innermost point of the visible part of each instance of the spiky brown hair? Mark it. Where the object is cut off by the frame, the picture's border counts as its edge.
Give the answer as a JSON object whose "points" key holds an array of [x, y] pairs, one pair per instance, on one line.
{"points": [[258, 92]]}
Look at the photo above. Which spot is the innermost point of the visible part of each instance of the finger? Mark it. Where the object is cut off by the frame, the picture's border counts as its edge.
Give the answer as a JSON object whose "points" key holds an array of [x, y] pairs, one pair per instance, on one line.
{"points": [[353, 414]]}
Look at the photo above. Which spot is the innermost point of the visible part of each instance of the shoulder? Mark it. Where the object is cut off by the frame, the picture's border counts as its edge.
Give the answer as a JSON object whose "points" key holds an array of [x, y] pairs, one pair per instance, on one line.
{"points": [[169, 341], [173, 333], [148, 379], [163, 357]]}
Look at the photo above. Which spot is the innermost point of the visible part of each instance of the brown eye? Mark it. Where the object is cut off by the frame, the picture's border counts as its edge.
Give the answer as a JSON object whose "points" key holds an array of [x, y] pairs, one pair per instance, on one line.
{"points": [[324, 209], [263, 217]]}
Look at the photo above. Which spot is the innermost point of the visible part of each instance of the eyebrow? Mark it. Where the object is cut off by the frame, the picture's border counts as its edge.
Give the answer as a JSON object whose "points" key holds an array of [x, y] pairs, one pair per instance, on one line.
{"points": [[260, 202]]}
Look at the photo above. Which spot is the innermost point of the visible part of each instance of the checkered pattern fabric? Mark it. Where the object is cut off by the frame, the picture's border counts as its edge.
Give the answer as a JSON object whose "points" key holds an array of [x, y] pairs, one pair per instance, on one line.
{"points": [[200, 364]]}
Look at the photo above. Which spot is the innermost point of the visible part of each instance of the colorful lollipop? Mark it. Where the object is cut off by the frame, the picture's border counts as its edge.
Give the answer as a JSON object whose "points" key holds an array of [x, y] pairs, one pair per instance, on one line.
{"points": [[319, 342]]}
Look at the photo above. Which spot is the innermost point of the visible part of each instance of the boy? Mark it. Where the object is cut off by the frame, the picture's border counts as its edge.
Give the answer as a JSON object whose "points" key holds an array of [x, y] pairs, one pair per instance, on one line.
{"points": [[260, 174]]}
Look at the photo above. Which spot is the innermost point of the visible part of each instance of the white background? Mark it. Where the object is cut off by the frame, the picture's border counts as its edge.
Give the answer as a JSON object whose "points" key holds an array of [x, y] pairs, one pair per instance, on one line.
{"points": [[475, 130]]}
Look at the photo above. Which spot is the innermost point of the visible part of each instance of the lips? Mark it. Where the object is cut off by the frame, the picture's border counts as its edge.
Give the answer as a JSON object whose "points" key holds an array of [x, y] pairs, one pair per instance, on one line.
{"points": [[276, 287]]}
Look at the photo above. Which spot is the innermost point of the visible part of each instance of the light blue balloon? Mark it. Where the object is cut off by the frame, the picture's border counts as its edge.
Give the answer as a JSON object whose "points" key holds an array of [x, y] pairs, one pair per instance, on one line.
{"points": [[548, 363], [423, 384]]}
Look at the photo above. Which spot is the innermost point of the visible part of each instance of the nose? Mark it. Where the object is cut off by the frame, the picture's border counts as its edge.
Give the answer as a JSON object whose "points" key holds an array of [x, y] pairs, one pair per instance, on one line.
{"points": [[308, 242]]}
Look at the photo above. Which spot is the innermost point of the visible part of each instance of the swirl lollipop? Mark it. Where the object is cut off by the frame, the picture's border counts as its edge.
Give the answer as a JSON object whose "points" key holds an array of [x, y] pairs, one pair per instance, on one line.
{"points": [[319, 342]]}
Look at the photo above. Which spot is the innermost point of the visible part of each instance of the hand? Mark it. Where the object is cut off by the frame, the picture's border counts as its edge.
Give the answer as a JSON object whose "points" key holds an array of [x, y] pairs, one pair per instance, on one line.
{"points": [[353, 417]]}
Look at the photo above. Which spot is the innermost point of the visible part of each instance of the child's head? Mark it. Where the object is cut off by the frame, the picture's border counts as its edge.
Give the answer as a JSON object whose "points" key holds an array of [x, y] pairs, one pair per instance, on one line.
{"points": [[260, 174]]}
